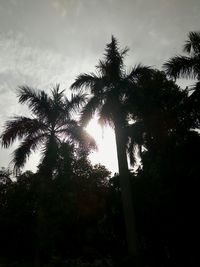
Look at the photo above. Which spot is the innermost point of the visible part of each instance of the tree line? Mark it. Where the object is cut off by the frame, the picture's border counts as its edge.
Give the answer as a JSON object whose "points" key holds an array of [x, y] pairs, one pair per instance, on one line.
{"points": [[70, 210]]}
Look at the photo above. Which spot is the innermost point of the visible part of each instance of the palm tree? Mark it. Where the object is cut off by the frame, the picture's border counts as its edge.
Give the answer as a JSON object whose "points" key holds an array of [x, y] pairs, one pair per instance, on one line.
{"points": [[51, 124], [52, 129], [186, 66], [108, 88]]}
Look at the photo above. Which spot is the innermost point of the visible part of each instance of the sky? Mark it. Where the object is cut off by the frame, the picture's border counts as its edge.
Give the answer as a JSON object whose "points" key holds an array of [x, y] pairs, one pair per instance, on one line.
{"points": [[45, 42]]}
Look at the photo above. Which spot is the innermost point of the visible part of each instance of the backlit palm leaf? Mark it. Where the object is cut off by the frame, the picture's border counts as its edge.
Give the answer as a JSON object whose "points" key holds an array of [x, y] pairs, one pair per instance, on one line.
{"points": [[38, 101], [51, 124], [186, 66], [28, 145], [19, 127]]}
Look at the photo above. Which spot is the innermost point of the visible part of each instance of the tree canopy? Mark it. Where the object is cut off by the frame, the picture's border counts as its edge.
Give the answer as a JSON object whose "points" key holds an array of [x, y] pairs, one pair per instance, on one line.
{"points": [[71, 213], [50, 126]]}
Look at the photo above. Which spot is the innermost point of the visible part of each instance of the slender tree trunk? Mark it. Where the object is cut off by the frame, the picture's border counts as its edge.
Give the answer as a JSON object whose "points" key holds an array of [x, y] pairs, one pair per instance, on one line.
{"points": [[126, 192]]}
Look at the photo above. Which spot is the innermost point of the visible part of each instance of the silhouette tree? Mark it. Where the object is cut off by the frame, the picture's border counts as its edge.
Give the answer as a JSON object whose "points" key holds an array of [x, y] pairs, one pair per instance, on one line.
{"points": [[186, 66], [5, 174], [108, 90], [51, 125], [158, 111]]}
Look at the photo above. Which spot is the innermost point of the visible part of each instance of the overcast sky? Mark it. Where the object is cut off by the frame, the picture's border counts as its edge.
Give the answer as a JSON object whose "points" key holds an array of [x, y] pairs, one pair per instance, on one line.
{"points": [[44, 42]]}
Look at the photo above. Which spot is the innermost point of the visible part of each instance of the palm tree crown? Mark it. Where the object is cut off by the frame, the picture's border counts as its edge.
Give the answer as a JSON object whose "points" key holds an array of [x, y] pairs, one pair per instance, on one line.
{"points": [[189, 67], [51, 125], [186, 66], [108, 86]]}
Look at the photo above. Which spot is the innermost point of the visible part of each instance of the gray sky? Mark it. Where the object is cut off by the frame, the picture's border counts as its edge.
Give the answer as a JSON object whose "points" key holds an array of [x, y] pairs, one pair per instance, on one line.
{"points": [[43, 42]]}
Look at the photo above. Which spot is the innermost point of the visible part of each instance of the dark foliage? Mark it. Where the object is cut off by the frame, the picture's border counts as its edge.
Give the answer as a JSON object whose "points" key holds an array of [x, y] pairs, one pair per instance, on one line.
{"points": [[76, 217]]}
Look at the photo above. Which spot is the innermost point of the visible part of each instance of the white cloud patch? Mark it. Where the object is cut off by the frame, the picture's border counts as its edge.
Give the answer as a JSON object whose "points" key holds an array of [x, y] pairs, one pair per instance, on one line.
{"points": [[23, 64], [27, 64]]}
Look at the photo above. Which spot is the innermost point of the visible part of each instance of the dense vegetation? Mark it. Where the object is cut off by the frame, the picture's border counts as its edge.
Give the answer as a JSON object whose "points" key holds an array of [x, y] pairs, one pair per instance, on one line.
{"points": [[70, 213]]}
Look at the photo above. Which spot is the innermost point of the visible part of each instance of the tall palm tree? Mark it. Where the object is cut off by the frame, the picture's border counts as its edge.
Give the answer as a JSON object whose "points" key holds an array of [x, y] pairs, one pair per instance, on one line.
{"points": [[108, 88], [186, 66], [51, 124]]}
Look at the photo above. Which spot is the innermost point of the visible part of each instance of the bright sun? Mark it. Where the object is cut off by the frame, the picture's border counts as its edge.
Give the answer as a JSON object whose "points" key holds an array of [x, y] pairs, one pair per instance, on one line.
{"points": [[105, 139]]}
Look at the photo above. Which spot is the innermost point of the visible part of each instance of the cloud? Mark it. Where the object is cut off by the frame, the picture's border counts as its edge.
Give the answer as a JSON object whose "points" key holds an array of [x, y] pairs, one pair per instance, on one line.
{"points": [[20, 64], [29, 63], [43, 42]]}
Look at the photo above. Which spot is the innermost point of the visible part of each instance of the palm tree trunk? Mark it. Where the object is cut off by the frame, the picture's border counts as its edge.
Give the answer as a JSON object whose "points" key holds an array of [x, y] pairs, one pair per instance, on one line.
{"points": [[126, 192]]}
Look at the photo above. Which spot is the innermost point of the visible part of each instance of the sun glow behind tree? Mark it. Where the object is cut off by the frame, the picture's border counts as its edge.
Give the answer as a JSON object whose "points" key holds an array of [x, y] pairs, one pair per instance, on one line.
{"points": [[106, 146], [105, 139]]}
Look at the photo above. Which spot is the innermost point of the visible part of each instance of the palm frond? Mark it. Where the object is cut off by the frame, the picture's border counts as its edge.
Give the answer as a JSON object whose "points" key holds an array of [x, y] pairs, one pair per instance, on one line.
{"points": [[124, 52], [65, 122], [19, 127], [181, 66], [21, 154], [139, 72], [113, 60], [76, 102], [84, 80], [102, 67], [76, 134], [57, 98], [113, 52], [57, 106], [38, 101], [89, 110], [192, 45], [105, 113], [57, 95]]}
